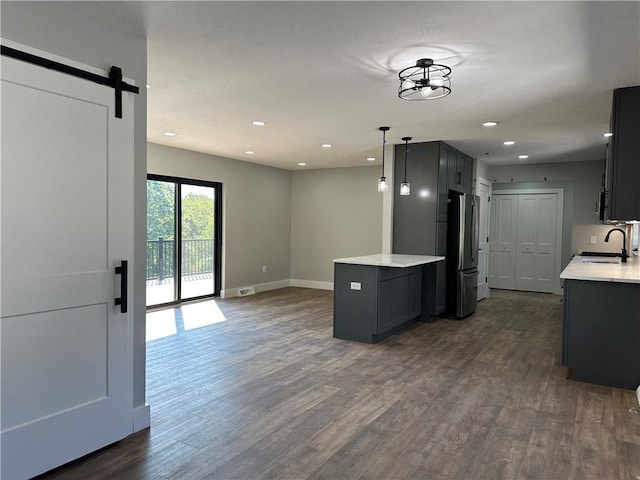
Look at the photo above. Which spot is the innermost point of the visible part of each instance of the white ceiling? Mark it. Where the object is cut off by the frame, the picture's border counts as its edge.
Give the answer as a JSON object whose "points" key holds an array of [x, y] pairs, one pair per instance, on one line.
{"points": [[326, 72]]}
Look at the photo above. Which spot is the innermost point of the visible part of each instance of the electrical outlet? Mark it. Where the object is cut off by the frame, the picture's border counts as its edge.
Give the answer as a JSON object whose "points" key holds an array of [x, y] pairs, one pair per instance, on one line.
{"points": [[594, 239], [264, 269]]}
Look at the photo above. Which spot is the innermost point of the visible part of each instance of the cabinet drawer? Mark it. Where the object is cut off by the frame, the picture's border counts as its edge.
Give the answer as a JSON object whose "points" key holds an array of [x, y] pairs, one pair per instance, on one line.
{"points": [[387, 273]]}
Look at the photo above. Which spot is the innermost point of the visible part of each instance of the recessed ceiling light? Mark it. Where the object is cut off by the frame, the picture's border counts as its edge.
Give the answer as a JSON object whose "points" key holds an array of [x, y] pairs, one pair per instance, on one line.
{"points": [[371, 159], [170, 134], [523, 156], [490, 124], [509, 142], [326, 145], [608, 134], [258, 123], [302, 164], [249, 152]]}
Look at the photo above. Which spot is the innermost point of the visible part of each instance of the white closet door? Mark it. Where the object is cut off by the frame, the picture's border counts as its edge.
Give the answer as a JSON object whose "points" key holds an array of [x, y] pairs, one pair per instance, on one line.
{"points": [[526, 251], [67, 221], [546, 243], [537, 229], [502, 241]]}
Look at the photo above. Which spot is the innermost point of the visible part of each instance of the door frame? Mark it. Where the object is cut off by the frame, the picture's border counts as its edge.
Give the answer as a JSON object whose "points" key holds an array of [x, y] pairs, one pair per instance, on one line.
{"points": [[217, 232], [559, 222], [487, 183]]}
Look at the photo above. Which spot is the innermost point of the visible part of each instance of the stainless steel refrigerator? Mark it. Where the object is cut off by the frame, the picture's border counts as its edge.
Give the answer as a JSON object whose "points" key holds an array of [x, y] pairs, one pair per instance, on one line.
{"points": [[462, 254]]}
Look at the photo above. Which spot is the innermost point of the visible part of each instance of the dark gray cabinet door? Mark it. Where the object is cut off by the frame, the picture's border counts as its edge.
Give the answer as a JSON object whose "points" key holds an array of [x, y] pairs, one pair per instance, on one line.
{"points": [[443, 182], [467, 175], [415, 293], [393, 300], [455, 166], [623, 166]]}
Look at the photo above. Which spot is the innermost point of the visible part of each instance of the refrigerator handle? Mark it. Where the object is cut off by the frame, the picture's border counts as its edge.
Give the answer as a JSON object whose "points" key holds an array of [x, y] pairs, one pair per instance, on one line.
{"points": [[472, 236], [461, 239]]}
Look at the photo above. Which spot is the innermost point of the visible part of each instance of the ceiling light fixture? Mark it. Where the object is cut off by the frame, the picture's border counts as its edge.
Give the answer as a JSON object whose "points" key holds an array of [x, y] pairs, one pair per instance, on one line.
{"points": [[302, 164], [424, 81], [382, 181], [523, 157], [258, 123], [170, 134], [405, 187], [509, 142], [326, 145], [371, 159], [249, 152], [490, 124], [608, 134]]}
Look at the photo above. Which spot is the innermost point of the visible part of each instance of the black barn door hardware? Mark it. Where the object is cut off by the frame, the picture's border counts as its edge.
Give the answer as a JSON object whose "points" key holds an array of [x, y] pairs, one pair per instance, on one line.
{"points": [[122, 270], [114, 80]]}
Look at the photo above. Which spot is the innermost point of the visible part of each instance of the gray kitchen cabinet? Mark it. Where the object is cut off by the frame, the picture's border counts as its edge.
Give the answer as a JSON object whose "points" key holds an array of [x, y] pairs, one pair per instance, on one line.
{"points": [[468, 183], [601, 332], [420, 219], [460, 171], [622, 171], [372, 302], [393, 298], [455, 168]]}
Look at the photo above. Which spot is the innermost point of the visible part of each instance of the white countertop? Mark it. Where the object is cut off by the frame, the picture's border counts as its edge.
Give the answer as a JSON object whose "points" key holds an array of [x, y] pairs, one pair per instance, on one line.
{"points": [[578, 269], [390, 260]]}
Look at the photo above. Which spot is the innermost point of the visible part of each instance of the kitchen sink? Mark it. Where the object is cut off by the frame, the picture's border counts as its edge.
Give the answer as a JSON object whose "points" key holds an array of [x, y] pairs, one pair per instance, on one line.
{"points": [[600, 260], [600, 254]]}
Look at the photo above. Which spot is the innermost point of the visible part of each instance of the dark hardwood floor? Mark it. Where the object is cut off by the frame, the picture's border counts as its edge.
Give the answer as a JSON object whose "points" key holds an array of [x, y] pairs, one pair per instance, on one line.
{"points": [[270, 394]]}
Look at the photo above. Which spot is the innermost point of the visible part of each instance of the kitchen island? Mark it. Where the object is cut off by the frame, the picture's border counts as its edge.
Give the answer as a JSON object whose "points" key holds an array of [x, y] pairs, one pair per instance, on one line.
{"points": [[378, 295], [601, 328]]}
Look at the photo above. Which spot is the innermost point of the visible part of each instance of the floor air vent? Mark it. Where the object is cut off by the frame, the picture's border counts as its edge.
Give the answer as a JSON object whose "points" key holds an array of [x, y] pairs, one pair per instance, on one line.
{"points": [[243, 292]]}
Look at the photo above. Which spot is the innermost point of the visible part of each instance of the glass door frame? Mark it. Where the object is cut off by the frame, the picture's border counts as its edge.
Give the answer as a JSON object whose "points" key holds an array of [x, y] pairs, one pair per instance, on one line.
{"points": [[217, 236]]}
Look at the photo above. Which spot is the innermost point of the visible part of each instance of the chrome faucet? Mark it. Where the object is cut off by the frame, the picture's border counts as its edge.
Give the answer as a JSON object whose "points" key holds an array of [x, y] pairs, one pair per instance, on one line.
{"points": [[624, 242]]}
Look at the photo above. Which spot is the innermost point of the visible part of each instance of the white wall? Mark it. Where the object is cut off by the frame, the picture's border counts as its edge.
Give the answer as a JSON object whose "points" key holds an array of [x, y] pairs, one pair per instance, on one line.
{"points": [[335, 213], [78, 31], [482, 170], [256, 213]]}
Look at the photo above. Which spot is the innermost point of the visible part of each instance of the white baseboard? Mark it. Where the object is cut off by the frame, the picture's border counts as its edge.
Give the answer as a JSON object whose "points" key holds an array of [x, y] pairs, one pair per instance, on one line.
{"points": [[141, 418], [291, 282], [260, 287], [311, 284]]}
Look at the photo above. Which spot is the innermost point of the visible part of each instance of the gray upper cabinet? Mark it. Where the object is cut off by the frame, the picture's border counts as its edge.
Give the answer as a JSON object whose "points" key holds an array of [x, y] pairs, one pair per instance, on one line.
{"points": [[622, 163], [460, 170]]}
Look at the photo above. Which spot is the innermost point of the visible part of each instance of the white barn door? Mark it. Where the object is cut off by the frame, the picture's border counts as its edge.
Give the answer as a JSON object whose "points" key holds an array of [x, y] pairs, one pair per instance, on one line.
{"points": [[67, 222]]}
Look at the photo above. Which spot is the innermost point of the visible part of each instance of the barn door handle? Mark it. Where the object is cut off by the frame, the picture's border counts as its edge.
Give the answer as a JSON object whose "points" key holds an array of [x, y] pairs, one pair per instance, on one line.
{"points": [[122, 270]]}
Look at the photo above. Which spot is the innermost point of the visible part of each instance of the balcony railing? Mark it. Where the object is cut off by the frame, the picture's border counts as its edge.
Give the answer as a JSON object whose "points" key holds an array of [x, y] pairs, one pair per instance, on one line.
{"points": [[197, 258]]}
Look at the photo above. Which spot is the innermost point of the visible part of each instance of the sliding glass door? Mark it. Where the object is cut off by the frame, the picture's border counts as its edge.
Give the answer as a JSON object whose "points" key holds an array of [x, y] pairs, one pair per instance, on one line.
{"points": [[183, 239]]}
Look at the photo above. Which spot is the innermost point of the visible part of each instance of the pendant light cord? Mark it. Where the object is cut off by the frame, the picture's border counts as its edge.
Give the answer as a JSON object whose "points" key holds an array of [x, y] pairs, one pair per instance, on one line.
{"points": [[406, 150], [384, 143]]}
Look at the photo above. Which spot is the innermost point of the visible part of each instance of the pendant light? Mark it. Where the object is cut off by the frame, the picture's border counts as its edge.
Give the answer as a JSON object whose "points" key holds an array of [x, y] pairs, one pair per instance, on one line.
{"points": [[405, 187], [382, 181]]}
